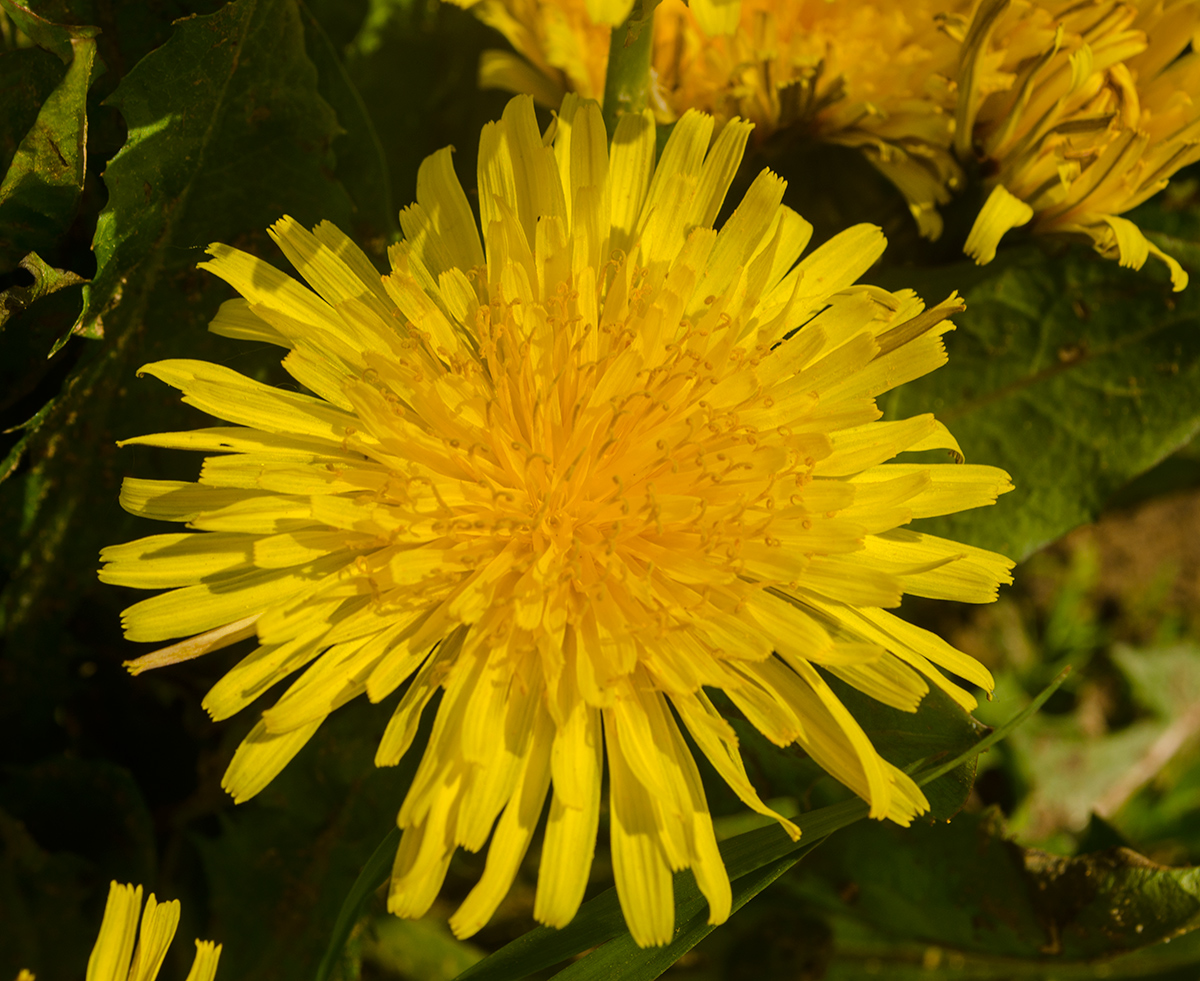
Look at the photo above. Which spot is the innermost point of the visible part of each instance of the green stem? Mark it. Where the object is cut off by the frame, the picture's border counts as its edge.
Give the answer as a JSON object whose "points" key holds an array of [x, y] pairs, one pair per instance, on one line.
{"points": [[627, 84]]}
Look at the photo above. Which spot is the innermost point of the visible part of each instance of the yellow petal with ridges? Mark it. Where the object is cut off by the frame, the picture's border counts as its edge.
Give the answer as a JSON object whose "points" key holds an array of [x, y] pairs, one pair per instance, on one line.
{"points": [[261, 756], [204, 965], [114, 947], [159, 921], [1001, 212]]}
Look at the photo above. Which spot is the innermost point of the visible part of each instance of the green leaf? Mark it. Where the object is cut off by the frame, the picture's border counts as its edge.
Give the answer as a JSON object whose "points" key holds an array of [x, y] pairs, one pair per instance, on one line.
{"points": [[1072, 375], [965, 885], [226, 133], [420, 949], [373, 875], [40, 888], [27, 77], [31, 317], [46, 280], [40, 192]]}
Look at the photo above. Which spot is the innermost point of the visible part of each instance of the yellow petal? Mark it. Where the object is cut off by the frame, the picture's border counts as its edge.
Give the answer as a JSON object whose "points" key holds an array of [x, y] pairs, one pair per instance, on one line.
{"points": [[159, 921], [512, 836], [204, 965], [110, 956], [717, 16], [1002, 211], [261, 756]]}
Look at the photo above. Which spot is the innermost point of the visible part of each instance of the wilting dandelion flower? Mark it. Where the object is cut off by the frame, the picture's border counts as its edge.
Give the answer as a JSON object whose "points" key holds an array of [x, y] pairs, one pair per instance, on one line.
{"points": [[1079, 112], [570, 477], [115, 956], [877, 76]]}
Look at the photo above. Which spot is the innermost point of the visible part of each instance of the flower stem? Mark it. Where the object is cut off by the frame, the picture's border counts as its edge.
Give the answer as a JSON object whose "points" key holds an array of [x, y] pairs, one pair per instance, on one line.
{"points": [[627, 85]]}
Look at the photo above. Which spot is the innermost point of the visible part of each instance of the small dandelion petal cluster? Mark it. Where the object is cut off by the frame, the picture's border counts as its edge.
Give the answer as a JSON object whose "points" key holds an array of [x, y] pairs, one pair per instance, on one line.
{"points": [[125, 953], [571, 476], [561, 47], [1081, 111]]}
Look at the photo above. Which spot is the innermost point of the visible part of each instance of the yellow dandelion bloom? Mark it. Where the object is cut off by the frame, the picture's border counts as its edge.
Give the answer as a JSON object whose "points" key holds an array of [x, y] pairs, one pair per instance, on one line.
{"points": [[562, 45], [569, 475], [874, 75], [115, 956], [1079, 112]]}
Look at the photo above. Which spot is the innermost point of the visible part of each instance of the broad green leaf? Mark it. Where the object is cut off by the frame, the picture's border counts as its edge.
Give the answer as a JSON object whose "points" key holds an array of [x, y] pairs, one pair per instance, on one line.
{"points": [[773, 942], [40, 191], [415, 66], [45, 895], [226, 132], [965, 885], [1071, 375]]}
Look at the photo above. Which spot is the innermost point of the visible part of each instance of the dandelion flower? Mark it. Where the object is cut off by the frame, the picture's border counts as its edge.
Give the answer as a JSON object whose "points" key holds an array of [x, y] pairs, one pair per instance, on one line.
{"points": [[877, 76], [1079, 112], [116, 958], [570, 476]]}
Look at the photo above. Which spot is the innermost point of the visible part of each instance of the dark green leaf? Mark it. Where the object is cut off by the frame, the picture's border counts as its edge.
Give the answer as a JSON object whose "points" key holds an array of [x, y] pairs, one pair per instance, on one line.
{"points": [[373, 875], [279, 870], [622, 958], [27, 77], [46, 280], [31, 318], [47, 926], [1070, 374], [415, 65], [361, 164], [41, 189], [65, 826], [419, 949]]}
